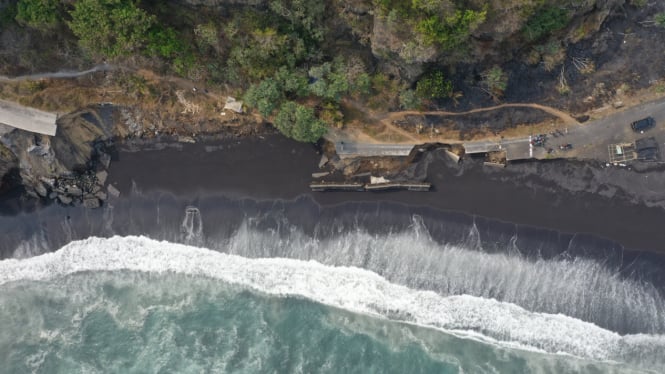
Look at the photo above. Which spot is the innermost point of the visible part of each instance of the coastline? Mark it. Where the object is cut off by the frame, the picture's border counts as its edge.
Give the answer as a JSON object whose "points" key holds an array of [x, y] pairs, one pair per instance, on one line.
{"points": [[201, 195]]}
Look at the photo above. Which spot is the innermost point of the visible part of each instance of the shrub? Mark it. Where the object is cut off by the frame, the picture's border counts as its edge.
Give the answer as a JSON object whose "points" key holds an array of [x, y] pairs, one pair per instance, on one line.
{"points": [[660, 19], [164, 42], [206, 35], [409, 100], [38, 14], [553, 56], [362, 85], [450, 31], [495, 81], [545, 21], [434, 86], [7, 14], [299, 122]]}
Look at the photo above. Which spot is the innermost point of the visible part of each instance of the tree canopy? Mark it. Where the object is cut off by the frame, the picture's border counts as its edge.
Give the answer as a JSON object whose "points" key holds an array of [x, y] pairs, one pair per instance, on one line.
{"points": [[299, 122], [38, 14], [265, 96], [110, 28], [442, 22]]}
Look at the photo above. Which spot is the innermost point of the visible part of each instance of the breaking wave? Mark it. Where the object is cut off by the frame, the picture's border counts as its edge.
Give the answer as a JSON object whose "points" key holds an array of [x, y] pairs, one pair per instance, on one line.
{"points": [[352, 289]]}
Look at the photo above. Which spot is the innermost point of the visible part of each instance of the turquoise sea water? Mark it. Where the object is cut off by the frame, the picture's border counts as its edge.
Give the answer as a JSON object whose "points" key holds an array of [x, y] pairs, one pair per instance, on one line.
{"points": [[132, 305], [132, 322]]}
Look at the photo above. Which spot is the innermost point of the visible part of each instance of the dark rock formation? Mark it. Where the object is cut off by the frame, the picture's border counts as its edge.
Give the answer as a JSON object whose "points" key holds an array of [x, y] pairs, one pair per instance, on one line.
{"points": [[8, 162], [69, 167]]}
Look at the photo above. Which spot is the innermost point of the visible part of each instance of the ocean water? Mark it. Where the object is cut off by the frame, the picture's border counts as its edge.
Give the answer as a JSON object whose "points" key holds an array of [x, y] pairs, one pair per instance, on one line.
{"points": [[136, 305]]}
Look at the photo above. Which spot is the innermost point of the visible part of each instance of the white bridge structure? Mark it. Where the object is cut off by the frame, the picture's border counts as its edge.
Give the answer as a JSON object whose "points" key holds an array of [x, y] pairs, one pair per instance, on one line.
{"points": [[28, 119]]}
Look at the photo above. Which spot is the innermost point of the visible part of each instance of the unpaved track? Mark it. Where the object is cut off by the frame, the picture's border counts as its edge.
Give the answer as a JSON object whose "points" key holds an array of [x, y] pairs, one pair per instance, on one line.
{"points": [[58, 74], [565, 117], [387, 119]]}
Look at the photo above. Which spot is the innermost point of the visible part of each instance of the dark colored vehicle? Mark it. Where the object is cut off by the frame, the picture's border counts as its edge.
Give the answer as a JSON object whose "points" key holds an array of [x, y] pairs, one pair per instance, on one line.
{"points": [[643, 125]]}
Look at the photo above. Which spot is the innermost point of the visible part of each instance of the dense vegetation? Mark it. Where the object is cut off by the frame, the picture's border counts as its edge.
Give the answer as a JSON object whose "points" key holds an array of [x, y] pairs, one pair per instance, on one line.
{"points": [[439, 22], [296, 62], [42, 14], [544, 21]]}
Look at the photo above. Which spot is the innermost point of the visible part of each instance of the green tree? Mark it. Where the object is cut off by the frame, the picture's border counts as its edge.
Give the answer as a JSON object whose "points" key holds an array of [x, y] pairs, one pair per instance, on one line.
{"points": [[434, 86], [299, 122], [110, 28], [329, 82], [265, 96], [293, 82], [38, 14]]}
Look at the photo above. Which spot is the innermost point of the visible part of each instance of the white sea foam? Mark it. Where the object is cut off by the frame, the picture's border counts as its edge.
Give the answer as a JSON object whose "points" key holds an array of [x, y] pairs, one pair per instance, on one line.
{"points": [[348, 288]]}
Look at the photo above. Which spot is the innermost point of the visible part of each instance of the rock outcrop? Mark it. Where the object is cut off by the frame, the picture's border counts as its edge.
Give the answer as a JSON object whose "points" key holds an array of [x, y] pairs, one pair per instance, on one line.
{"points": [[69, 167], [8, 162]]}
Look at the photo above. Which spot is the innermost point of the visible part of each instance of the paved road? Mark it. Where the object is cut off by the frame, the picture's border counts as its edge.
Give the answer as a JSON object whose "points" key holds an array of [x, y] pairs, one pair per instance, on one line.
{"points": [[590, 140], [348, 149], [28, 119]]}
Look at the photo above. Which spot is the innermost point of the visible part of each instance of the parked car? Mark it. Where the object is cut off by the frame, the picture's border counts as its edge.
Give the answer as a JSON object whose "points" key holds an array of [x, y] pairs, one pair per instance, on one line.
{"points": [[643, 125]]}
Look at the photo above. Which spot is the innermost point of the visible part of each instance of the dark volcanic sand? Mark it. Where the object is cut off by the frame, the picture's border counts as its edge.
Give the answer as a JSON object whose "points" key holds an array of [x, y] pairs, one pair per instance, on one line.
{"points": [[277, 168], [232, 179]]}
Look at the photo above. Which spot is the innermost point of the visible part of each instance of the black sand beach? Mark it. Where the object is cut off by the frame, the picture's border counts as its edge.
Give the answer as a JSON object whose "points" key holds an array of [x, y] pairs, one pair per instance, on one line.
{"points": [[277, 168], [228, 178]]}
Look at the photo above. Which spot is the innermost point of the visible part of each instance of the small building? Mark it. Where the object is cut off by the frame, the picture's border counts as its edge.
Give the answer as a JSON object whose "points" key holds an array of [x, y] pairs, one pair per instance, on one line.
{"points": [[233, 105]]}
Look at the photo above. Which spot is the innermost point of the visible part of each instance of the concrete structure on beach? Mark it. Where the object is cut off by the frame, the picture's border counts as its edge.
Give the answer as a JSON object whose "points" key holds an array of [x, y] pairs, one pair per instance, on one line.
{"points": [[28, 119]]}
